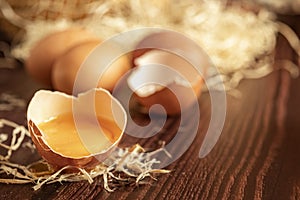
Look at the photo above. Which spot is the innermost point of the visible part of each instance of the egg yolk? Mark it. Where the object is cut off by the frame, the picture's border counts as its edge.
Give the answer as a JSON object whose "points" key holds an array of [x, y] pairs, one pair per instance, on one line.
{"points": [[62, 135]]}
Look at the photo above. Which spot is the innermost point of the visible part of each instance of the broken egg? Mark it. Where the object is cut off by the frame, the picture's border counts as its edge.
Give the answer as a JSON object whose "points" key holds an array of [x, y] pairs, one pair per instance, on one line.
{"points": [[169, 71], [166, 79], [65, 68], [75, 131], [48, 49]]}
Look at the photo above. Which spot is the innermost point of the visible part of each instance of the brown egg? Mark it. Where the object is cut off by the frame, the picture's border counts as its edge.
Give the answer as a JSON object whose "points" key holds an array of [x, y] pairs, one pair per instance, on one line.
{"points": [[66, 67], [166, 79], [75, 131], [163, 75], [43, 54]]}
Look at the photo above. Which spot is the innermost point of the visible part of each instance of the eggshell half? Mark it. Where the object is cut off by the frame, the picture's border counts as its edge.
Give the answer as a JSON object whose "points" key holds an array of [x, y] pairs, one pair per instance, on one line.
{"points": [[167, 79], [169, 70], [96, 102]]}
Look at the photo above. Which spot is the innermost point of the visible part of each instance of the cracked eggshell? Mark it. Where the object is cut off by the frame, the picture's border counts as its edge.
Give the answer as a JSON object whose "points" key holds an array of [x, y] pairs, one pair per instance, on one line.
{"points": [[167, 79], [175, 92], [46, 105]]}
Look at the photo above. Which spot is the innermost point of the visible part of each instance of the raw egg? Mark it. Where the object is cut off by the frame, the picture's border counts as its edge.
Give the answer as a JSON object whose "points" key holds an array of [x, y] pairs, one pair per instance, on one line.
{"points": [[48, 49], [66, 67], [75, 131]]}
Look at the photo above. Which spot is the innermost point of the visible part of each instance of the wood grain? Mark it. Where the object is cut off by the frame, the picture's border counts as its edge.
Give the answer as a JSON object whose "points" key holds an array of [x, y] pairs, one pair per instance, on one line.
{"points": [[256, 157]]}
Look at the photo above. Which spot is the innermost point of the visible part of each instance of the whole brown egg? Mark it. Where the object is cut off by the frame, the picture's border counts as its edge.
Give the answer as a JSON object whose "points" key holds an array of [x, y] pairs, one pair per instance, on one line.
{"points": [[48, 49], [66, 67]]}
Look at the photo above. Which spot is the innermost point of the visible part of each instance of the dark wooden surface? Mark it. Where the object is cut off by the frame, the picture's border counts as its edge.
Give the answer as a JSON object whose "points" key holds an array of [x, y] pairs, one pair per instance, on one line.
{"points": [[256, 157]]}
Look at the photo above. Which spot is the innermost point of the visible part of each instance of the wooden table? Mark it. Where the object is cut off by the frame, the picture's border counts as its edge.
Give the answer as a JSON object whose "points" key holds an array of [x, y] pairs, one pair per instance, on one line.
{"points": [[256, 157]]}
